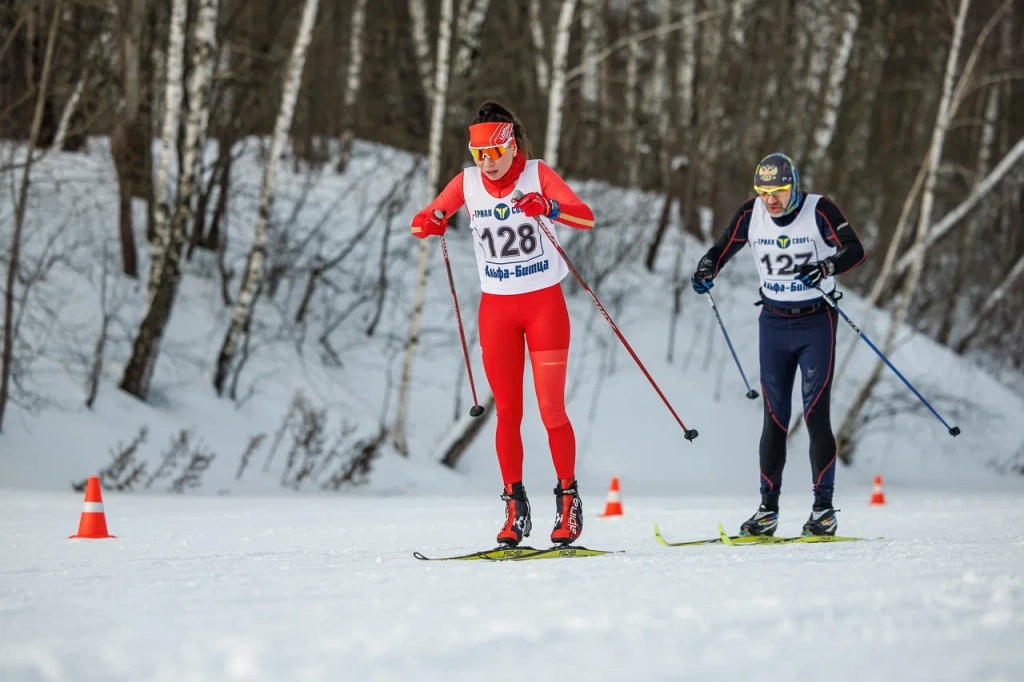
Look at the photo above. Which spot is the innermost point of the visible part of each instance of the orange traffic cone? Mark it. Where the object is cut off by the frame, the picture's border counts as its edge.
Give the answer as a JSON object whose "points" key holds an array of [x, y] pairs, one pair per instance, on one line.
{"points": [[877, 496], [93, 525], [613, 507]]}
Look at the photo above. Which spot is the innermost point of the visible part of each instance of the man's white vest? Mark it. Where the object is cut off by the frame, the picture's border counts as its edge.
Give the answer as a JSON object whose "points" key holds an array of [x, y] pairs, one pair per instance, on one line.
{"points": [[780, 251]]}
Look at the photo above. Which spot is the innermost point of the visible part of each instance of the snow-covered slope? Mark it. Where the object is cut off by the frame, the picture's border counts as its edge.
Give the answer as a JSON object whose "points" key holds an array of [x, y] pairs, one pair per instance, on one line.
{"points": [[622, 427]]}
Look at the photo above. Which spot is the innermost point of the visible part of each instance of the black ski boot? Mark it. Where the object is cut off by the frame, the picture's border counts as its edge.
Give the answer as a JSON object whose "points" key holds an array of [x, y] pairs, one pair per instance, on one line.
{"points": [[763, 522], [822, 521], [568, 513], [517, 516]]}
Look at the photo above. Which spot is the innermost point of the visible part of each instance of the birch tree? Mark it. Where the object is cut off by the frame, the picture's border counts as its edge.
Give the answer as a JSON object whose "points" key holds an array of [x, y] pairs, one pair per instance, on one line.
{"points": [[128, 143], [138, 373], [254, 270], [421, 44], [559, 64], [540, 46], [13, 258], [590, 91], [825, 130], [173, 92], [353, 81], [661, 92], [997, 296], [821, 24], [942, 121], [969, 233], [437, 119], [631, 130]]}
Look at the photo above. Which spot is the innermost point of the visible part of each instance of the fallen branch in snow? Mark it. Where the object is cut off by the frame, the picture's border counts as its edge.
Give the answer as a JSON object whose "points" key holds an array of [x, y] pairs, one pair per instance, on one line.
{"points": [[125, 471]]}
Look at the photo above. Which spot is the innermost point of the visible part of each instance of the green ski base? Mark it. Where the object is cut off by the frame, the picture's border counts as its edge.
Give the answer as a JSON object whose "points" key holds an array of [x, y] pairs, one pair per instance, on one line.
{"points": [[522, 554], [733, 540]]}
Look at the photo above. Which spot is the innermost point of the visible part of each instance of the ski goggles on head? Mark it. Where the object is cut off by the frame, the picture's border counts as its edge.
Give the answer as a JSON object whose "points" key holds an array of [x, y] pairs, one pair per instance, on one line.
{"points": [[490, 140], [768, 191]]}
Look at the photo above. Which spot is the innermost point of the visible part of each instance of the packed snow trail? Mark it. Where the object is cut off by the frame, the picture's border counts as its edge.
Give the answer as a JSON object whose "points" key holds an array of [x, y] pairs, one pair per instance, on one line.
{"points": [[326, 588]]}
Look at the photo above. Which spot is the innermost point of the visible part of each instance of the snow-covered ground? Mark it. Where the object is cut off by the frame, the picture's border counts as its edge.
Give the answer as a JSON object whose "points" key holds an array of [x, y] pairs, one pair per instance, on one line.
{"points": [[246, 578], [325, 588]]}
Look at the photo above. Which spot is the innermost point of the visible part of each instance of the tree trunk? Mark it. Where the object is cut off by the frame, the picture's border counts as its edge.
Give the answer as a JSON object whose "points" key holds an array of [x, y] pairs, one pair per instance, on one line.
{"points": [[953, 218], [128, 141], [967, 236], [69, 111], [821, 24], [661, 95], [590, 91], [630, 124], [995, 298], [254, 271], [173, 93], [821, 140], [686, 92], [462, 434], [540, 46], [421, 42], [353, 81], [437, 119], [19, 215], [138, 373], [559, 62], [846, 434]]}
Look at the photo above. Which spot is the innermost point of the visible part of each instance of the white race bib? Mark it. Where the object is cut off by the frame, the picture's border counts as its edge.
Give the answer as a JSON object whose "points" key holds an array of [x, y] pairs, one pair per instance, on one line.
{"points": [[780, 251], [513, 254]]}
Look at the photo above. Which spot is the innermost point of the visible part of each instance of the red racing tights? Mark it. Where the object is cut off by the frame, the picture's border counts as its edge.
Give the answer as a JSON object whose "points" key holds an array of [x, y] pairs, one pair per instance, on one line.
{"points": [[542, 320]]}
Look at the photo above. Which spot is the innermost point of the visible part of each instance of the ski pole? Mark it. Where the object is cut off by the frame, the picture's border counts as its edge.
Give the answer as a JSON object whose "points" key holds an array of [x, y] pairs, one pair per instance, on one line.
{"points": [[751, 393], [477, 409], [688, 434], [953, 430]]}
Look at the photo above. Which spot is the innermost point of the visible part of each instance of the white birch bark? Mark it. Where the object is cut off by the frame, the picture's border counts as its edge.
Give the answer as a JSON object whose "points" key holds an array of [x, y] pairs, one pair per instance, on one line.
{"points": [[257, 256], [69, 111], [173, 94], [167, 271], [822, 27], [821, 140], [472, 14], [590, 91], [967, 236], [687, 71], [540, 46], [661, 92], [738, 27], [951, 219], [631, 129], [559, 63], [353, 79], [942, 121], [421, 43], [437, 119], [995, 298]]}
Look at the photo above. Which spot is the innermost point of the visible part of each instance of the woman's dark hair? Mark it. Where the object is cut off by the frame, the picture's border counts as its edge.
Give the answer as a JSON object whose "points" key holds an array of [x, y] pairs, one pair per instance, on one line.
{"points": [[492, 112]]}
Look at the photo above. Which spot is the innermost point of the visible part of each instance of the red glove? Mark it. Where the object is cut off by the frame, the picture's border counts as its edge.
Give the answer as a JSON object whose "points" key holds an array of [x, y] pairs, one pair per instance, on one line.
{"points": [[534, 204], [428, 223]]}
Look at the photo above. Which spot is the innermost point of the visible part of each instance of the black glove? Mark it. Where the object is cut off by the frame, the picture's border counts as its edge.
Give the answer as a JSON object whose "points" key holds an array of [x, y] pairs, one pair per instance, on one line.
{"points": [[811, 274], [703, 278]]}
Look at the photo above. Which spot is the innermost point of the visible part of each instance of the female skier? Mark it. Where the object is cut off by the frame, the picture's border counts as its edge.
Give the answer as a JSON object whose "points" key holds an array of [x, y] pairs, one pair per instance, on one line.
{"points": [[520, 274]]}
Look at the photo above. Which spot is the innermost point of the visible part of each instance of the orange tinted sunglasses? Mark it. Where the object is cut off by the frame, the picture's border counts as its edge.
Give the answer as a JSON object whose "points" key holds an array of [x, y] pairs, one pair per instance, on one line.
{"points": [[492, 153]]}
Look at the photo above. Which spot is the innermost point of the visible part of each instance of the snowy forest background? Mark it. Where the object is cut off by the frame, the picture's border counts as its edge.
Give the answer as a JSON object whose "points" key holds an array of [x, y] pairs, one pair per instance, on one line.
{"points": [[205, 207]]}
